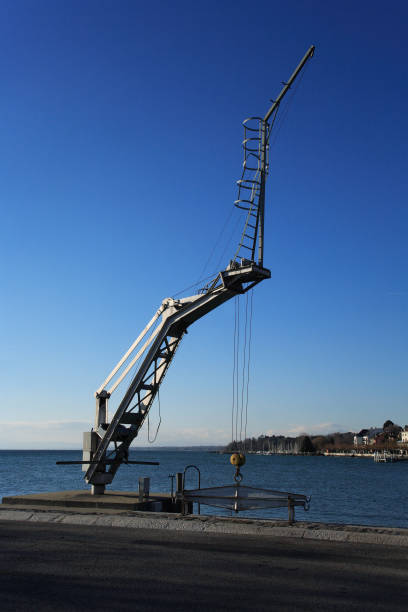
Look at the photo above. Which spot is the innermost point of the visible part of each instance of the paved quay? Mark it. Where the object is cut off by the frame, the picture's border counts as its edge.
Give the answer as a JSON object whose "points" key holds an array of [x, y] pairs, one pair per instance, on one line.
{"points": [[123, 509], [72, 551], [68, 567]]}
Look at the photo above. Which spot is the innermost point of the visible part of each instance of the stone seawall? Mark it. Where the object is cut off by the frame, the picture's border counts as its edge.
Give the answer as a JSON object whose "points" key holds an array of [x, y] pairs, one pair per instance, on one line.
{"points": [[210, 524]]}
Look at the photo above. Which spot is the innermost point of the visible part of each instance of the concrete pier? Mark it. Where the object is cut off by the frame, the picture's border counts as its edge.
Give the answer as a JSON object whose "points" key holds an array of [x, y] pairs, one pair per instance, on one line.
{"points": [[86, 501]]}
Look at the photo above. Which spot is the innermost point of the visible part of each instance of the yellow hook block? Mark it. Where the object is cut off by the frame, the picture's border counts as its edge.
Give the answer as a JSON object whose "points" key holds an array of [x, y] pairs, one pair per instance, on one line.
{"points": [[237, 459]]}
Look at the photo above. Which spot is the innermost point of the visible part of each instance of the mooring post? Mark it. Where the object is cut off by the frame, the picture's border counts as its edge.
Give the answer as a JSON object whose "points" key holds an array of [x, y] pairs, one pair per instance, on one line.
{"points": [[291, 510], [172, 477], [144, 488], [179, 482], [179, 490]]}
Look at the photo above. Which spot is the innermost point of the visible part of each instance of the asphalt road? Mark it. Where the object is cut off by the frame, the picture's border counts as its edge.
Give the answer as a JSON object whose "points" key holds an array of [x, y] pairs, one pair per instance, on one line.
{"points": [[69, 567]]}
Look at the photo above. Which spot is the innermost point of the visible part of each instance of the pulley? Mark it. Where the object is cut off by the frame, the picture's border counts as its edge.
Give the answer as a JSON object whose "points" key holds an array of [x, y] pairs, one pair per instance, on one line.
{"points": [[238, 460]]}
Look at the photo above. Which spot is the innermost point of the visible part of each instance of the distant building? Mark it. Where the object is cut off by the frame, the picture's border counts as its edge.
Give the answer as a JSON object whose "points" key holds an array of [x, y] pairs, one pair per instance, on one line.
{"points": [[373, 434], [362, 438], [374, 431], [380, 438], [358, 440]]}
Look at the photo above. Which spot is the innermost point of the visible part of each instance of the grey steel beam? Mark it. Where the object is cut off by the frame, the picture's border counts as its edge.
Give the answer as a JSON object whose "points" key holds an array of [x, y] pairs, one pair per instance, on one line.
{"points": [[309, 53], [264, 143]]}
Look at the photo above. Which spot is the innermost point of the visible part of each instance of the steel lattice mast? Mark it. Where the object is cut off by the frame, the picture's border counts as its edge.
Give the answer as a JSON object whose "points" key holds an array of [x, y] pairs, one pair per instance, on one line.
{"points": [[251, 186]]}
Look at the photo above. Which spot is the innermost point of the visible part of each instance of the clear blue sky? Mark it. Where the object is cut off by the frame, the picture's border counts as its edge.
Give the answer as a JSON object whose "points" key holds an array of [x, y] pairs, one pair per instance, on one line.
{"points": [[120, 147]]}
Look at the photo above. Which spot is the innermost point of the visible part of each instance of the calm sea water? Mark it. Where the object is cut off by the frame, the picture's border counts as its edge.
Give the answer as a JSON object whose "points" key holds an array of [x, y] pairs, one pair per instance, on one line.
{"points": [[344, 490]]}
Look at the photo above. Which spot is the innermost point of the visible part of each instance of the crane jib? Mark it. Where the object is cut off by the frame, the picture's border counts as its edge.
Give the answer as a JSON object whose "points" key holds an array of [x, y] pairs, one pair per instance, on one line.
{"points": [[155, 347]]}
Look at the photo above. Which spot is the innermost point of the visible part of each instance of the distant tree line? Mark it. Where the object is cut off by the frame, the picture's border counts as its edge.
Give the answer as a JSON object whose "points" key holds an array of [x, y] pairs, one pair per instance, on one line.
{"points": [[274, 444], [387, 438]]}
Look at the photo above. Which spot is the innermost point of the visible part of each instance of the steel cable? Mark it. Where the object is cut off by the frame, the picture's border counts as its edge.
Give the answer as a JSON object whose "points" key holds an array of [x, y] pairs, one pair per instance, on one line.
{"points": [[248, 363], [237, 373], [151, 441], [244, 350], [234, 371]]}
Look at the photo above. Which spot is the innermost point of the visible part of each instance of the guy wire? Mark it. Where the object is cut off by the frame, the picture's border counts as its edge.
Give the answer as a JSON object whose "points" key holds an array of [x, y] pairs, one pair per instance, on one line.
{"points": [[217, 242], [151, 441]]}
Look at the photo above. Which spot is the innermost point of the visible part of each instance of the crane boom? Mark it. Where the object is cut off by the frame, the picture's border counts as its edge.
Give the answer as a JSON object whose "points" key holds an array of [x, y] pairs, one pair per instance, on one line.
{"points": [[175, 317], [156, 346]]}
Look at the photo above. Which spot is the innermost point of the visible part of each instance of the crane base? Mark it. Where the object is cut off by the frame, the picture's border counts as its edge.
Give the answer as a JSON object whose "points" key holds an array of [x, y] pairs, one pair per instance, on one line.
{"points": [[84, 501]]}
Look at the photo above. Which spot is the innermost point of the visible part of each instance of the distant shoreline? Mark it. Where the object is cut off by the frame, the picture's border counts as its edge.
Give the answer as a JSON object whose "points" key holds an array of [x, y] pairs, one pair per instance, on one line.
{"points": [[350, 454], [197, 448]]}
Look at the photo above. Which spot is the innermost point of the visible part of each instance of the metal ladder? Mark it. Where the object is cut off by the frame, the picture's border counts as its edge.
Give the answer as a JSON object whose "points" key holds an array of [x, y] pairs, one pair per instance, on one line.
{"points": [[254, 169]]}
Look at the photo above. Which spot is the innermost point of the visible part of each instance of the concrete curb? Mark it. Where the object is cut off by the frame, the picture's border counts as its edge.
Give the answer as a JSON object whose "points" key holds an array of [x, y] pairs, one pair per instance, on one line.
{"points": [[205, 524]]}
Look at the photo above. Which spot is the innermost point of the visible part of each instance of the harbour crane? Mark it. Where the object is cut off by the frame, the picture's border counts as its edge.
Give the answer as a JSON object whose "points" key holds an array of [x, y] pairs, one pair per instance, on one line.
{"points": [[153, 350]]}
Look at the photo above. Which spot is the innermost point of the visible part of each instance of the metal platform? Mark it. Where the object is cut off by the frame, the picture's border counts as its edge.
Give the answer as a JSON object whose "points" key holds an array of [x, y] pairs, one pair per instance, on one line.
{"points": [[238, 497]]}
